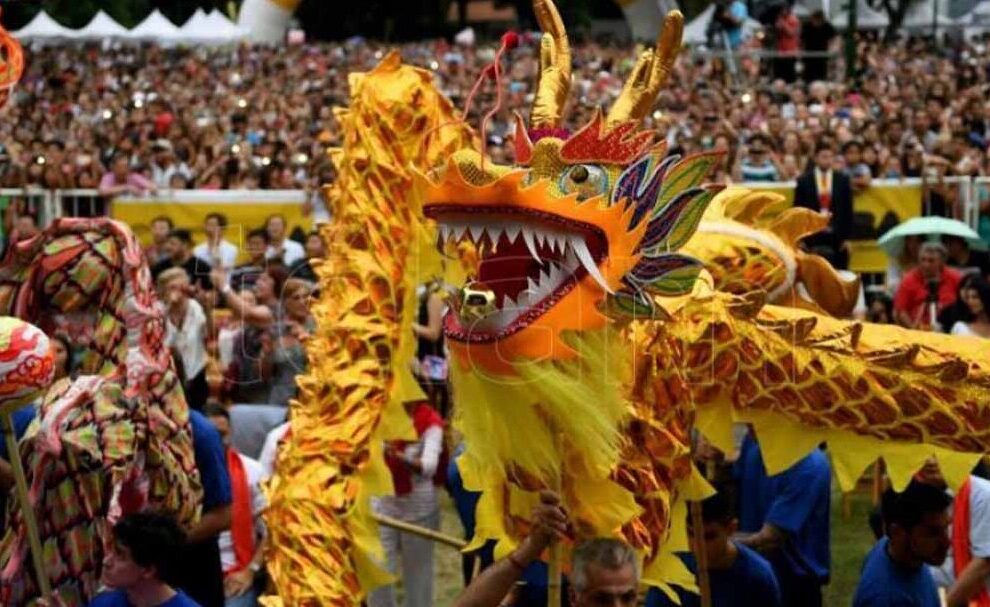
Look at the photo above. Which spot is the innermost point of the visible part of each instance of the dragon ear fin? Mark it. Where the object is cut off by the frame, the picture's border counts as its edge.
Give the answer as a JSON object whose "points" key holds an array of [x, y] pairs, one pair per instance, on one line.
{"points": [[669, 275], [671, 226]]}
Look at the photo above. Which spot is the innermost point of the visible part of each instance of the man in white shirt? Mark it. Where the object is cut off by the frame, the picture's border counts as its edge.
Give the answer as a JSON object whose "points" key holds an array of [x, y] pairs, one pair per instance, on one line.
{"points": [[280, 247], [242, 547], [163, 165], [216, 251]]}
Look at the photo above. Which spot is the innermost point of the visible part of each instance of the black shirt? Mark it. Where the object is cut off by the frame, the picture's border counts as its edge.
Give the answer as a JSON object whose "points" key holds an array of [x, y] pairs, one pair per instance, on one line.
{"points": [[197, 270]]}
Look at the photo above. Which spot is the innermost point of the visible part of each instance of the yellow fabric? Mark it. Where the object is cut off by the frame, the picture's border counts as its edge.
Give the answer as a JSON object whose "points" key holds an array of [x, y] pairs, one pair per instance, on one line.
{"points": [[325, 548]]}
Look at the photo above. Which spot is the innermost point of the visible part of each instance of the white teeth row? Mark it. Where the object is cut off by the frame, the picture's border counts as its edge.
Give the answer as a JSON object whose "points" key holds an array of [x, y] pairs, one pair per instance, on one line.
{"points": [[560, 243], [536, 291], [494, 231]]}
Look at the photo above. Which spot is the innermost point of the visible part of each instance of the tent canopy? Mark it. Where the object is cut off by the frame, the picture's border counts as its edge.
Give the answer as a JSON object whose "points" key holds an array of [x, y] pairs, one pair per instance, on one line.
{"points": [[920, 16], [866, 18], [101, 25], [155, 27], [43, 26]]}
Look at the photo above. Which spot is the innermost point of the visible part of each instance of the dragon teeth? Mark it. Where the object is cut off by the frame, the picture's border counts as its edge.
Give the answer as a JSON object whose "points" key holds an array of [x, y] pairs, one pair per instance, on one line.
{"points": [[586, 259], [528, 238]]}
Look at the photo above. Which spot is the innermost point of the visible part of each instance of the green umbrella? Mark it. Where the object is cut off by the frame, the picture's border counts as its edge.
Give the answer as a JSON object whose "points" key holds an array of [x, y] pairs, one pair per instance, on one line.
{"points": [[933, 227]]}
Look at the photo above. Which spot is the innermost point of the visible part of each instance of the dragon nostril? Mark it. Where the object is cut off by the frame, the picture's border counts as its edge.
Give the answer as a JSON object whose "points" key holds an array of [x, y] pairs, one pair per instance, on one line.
{"points": [[579, 174]]}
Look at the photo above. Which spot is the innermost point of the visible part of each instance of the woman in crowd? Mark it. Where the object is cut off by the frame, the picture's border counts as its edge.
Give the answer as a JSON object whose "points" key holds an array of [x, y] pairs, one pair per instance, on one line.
{"points": [[187, 329], [974, 295], [431, 357], [285, 355]]}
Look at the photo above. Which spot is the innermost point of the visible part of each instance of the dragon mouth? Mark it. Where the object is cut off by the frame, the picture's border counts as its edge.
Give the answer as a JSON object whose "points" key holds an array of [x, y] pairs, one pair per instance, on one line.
{"points": [[529, 260]]}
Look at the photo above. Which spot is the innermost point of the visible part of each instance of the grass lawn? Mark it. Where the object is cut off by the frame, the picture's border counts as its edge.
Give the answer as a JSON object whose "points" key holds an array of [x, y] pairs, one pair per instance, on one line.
{"points": [[851, 540]]}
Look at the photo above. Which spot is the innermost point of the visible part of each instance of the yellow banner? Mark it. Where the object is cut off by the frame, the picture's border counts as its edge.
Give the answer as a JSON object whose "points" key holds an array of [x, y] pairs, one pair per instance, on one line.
{"points": [[245, 211], [887, 201]]}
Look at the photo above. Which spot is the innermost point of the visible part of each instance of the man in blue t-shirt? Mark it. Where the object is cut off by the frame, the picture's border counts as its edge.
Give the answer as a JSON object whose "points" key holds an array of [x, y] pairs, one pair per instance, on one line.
{"points": [[731, 566], [201, 574], [916, 523], [785, 517], [145, 551]]}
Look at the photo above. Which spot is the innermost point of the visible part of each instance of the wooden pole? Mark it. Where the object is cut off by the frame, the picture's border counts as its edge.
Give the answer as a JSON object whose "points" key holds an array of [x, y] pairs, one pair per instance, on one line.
{"points": [[424, 532], [27, 510], [700, 554], [554, 588]]}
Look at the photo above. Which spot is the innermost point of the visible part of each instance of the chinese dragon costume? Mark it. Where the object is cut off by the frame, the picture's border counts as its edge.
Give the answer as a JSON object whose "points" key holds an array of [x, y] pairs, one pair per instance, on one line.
{"points": [[587, 343]]}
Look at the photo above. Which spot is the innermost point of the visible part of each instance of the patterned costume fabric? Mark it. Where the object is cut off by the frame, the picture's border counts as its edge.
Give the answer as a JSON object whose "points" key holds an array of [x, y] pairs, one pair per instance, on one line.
{"points": [[117, 438], [587, 343]]}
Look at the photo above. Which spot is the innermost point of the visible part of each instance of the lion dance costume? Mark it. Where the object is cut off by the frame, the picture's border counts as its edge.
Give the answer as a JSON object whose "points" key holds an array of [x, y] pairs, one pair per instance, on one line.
{"points": [[587, 343], [112, 441]]}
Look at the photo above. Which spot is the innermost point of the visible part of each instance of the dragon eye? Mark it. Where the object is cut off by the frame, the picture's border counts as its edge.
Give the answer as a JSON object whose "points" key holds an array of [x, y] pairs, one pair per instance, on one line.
{"points": [[586, 180]]}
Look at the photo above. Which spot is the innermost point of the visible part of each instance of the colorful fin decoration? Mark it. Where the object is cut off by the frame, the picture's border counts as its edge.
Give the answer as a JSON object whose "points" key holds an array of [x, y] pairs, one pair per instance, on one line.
{"points": [[640, 184], [671, 275], [673, 225], [689, 173]]}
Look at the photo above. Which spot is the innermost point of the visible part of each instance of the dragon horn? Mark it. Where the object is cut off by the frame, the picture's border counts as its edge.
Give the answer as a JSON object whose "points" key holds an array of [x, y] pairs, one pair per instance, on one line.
{"points": [[555, 67], [650, 73]]}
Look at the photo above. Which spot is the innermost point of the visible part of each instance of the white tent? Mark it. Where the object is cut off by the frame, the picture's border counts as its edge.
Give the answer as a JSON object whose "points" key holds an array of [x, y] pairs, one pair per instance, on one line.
{"points": [[210, 28], [920, 16], [155, 27], [978, 17], [101, 25], [43, 26], [866, 17], [696, 32]]}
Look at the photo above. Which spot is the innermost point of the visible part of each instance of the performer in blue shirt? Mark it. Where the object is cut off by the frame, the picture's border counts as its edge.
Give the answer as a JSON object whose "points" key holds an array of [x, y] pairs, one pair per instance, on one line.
{"points": [[144, 554], [785, 517], [894, 574], [201, 575], [732, 566]]}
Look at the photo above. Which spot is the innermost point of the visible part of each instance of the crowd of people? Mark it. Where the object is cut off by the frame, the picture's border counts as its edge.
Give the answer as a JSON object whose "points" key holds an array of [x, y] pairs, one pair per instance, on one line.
{"points": [[127, 119]]}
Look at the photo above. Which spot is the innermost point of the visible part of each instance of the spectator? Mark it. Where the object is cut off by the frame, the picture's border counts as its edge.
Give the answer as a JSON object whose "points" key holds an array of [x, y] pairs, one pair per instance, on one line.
{"points": [[201, 574], [315, 250], [157, 251], [816, 37], [881, 310], [62, 349], [216, 251], [907, 260], [186, 333], [246, 274], [916, 524], [179, 248], [785, 517], [732, 16], [827, 191], [926, 290], [164, 167], [974, 295], [414, 469], [242, 548], [604, 571], [431, 369], [758, 161], [120, 180], [857, 170], [279, 246], [788, 30], [287, 359], [961, 257], [139, 566], [731, 565]]}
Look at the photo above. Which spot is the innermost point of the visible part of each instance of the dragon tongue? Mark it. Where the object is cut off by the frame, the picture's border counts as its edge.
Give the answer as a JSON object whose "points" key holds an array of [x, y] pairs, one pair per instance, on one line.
{"points": [[586, 259]]}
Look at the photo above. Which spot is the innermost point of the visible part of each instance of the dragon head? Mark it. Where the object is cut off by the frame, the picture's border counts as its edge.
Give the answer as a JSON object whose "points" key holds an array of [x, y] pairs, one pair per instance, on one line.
{"points": [[584, 227]]}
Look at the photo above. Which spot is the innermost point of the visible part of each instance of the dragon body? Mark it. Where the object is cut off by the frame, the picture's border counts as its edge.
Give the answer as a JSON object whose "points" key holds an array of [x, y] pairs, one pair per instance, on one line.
{"points": [[114, 440], [587, 342]]}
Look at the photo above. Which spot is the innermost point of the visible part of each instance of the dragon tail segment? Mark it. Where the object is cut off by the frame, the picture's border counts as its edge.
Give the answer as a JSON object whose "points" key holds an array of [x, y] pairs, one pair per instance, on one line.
{"points": [[324, 544], [867, 390], [748, 241]]}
